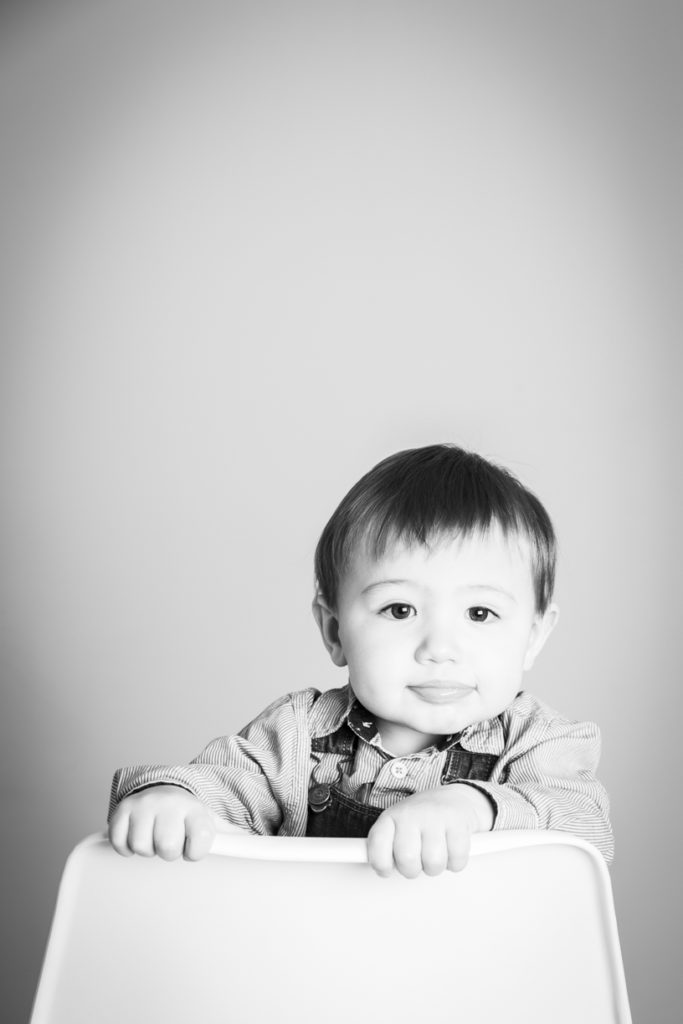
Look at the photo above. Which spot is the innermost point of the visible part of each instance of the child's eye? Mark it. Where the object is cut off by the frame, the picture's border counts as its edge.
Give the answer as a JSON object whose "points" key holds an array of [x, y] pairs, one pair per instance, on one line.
{"points": [[479, 614], [399, 611]]}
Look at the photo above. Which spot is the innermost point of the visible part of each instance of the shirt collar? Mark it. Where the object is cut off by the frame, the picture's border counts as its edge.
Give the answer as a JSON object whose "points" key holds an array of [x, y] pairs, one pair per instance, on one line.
{"points": [[343, 707], [363, 723]]}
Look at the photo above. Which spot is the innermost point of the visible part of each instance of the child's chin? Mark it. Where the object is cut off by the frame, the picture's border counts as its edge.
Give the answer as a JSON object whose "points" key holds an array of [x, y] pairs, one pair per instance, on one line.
{"points": [[461, 719]]}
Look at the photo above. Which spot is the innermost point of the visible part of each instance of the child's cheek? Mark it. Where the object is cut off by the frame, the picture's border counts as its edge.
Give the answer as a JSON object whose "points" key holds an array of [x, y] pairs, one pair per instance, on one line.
{"points": [[492, 663], [378, 665], [502, 666]]}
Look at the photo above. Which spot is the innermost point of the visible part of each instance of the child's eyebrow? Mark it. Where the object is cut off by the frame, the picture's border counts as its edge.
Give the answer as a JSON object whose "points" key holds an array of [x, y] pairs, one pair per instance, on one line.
{"points": [[381, 583], [492, 587]]}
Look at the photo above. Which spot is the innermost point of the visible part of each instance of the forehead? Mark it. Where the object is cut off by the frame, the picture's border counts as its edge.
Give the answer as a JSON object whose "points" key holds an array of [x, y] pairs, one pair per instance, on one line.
{"points": [[487, 558]]}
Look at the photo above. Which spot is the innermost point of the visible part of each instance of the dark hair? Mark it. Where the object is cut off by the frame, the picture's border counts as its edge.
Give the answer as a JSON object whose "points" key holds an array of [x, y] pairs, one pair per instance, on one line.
{"points": [[421, 494]]}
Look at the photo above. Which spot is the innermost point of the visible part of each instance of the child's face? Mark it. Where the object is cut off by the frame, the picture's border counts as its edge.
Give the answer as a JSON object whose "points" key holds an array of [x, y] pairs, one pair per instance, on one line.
{"points": [[438, 638]]}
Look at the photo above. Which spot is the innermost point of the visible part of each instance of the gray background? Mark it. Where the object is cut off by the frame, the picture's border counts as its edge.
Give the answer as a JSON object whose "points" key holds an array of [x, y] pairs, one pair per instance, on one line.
{"points": [[249, 250]]}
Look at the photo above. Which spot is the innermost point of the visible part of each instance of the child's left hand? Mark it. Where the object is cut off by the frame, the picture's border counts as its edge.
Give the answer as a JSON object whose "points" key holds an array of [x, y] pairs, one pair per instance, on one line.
{"points": [[429, 831]]}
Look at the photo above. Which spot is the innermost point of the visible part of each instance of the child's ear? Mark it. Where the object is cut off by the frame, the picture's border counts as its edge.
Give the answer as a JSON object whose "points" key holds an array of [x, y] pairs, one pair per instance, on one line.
{"points": [[540, 631], [328, 624]]}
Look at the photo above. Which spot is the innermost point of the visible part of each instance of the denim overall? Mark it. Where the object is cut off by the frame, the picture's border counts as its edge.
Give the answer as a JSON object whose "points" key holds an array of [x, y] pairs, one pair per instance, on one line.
{"points": [[333, 813]]}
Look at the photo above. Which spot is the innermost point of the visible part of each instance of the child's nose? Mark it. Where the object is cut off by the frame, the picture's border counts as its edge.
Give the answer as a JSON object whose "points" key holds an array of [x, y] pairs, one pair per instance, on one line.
{"points": [[439, 643]]}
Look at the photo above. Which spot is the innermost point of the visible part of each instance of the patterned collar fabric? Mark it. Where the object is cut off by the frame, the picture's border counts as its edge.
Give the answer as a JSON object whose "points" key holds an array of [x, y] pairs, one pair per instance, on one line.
{"points": [[362, 722], [339, 707]]}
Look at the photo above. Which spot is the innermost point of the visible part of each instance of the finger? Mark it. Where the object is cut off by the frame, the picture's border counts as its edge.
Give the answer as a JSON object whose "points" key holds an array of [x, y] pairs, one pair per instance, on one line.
{"points": [[434, 853], [168, 836], [118, 832], [408, 850], [381, 846], [458, 843], [200, 832], [141, 833]]}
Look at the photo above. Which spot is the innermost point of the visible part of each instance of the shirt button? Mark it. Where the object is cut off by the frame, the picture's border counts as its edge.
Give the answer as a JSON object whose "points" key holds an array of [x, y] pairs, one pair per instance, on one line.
{"points": [[398, 770]]}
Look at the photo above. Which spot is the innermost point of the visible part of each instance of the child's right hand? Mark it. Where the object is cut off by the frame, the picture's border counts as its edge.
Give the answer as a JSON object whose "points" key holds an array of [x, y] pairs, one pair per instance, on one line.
{"points": [[164, 820]]}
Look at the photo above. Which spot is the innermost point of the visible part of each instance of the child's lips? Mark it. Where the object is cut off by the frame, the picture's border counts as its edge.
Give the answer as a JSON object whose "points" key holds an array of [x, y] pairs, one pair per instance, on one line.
{"points": [[437, 692]]}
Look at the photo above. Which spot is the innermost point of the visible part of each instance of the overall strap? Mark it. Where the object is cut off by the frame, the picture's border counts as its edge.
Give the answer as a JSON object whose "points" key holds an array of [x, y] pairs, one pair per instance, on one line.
{"points": [[467, 764], [342, 742]]}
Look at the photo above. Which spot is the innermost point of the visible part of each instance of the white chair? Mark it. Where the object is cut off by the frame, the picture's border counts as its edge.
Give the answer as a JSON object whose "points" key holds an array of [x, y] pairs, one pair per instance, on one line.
{"points": [[276, 929]]}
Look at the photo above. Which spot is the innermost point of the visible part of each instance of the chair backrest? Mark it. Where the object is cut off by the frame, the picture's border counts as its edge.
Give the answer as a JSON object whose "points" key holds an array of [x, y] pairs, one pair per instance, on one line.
{"points": [[278, 929]]}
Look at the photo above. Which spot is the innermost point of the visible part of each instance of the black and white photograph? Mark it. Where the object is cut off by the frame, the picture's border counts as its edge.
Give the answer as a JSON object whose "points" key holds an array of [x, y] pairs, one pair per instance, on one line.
{"points": [[340, 429]]}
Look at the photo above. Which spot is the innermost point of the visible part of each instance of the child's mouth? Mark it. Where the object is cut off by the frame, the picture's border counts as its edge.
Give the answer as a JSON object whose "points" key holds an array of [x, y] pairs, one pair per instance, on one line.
{"points": [[441, 693]]}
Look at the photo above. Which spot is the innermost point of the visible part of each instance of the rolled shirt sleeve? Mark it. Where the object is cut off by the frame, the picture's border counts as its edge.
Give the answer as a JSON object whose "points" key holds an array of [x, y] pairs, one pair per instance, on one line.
{"points": [[545, 776], [249, 779]]}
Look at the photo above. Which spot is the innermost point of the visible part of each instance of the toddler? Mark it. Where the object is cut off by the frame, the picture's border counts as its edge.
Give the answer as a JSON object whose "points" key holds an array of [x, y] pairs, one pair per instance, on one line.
{"points": [[434, 584]]}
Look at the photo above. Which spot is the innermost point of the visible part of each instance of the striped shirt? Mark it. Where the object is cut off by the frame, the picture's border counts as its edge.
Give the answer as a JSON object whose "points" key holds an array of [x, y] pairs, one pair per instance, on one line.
{"points": [[543, 778]]}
